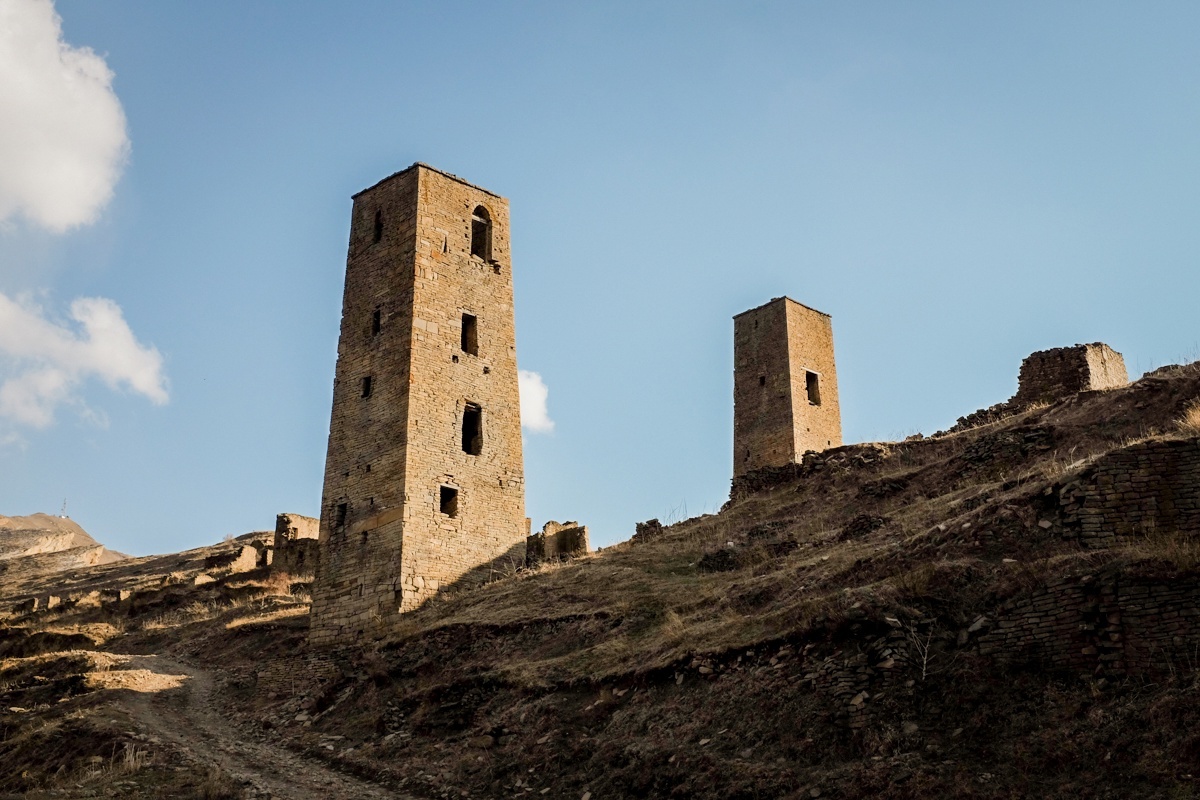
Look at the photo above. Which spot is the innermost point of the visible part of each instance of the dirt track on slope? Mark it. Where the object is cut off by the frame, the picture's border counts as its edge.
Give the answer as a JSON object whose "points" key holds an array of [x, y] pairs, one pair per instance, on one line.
{"points": [[186, 717]]}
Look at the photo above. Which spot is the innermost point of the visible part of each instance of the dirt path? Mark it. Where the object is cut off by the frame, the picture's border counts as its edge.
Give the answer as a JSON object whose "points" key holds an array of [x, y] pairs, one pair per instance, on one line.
{"points": [[187, 718]]}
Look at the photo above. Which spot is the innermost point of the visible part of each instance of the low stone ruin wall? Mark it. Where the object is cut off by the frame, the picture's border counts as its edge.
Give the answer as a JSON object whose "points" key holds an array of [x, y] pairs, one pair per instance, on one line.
{"points": [[297, 557], [295, 548], [840, 459], [1146, 490], [299, 673], [241, 559], [556, 542], [1116, 626]]}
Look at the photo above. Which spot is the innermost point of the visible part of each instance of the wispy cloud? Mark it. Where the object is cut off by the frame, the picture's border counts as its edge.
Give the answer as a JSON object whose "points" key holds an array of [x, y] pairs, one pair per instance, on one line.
{"points": [[44, 363], [534, 416], [62, 137]]}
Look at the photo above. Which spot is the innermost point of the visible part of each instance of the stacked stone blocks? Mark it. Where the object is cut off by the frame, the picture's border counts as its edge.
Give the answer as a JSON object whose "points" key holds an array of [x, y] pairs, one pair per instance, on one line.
{"points": [[1147, 489]]}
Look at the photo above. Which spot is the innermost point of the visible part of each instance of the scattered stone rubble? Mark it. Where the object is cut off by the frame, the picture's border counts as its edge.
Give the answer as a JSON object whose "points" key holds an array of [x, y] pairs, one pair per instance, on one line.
{"points": [[839, 460]]}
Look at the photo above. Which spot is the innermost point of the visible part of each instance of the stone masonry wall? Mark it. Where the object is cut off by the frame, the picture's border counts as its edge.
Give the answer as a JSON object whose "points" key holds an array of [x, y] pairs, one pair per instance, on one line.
{"points": [[388, 537], [776, 419], [362, 501], [557, 542], [296, 545], [1147, 489], [440, 549], [1113, 626], [1053, 374]]}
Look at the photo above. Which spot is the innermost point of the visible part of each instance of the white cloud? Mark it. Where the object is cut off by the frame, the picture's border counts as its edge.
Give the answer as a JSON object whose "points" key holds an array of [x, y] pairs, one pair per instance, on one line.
{"points": [[62, 136], [534, 416], [43, 363]]}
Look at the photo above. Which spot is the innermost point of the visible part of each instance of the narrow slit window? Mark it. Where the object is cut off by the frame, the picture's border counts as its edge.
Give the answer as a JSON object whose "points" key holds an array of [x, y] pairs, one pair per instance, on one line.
{"points": [[377, 234], [366, 386], [812, 382], [481, 233], [762, 380], [472, 429], [448, 501], [470, 334], [376, 321], [339, 516]]}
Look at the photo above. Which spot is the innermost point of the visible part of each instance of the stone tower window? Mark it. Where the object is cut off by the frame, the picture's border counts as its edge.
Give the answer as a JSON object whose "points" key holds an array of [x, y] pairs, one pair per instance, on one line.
{"points": [[812, 382], [366, 386], [376, 321], [481, 233], [339, 516], [472, 429], [470, 334], [448, 501], [378, 232]]}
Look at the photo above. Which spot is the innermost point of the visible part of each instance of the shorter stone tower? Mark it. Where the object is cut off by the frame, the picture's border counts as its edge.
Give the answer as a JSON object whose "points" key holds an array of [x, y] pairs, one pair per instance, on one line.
{"points": [[1052, 374], [785, 395]]}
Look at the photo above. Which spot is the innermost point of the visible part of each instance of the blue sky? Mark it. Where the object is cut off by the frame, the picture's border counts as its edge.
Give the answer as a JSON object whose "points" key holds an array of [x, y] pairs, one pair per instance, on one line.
{"points": [[958, 184]]}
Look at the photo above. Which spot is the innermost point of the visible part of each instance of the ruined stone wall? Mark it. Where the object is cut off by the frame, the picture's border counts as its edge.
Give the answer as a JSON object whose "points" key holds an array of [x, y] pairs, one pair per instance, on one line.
{"points": [[1052, 374], [1146, 489], [1113, 626], [386, 541], [298, 673], [293, 527], [296, 546], [785, 394], [557, 542]]}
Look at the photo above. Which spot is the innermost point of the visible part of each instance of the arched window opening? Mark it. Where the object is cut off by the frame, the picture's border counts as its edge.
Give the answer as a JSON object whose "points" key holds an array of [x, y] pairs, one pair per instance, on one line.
{"points": [[378, 234], [481, 233]]}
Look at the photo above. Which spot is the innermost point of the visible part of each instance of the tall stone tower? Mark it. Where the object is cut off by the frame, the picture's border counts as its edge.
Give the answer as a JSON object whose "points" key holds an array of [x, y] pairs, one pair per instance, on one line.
{"points": [[423, 477], [785, 396]]}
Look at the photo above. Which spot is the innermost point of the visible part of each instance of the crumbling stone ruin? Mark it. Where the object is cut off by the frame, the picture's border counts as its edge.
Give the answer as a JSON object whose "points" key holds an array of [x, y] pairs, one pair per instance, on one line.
{"points": [[1050, 375], [556, 542], [295, 546], [424, 479], [1053, 374], [785, 395], [243, 558]]}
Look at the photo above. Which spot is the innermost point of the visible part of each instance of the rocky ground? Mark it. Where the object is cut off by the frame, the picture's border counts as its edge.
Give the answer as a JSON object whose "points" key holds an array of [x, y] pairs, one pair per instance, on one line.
{"points": [[830, 633]]}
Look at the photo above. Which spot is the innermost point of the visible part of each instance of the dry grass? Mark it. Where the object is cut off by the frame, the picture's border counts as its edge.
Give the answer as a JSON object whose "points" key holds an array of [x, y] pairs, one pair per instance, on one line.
{"points": [[1189, 423], [1177, 549]]}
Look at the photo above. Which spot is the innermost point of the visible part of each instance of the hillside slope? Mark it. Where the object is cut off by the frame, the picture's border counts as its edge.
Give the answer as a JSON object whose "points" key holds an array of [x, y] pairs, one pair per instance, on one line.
{"points": [[1011, 610]]}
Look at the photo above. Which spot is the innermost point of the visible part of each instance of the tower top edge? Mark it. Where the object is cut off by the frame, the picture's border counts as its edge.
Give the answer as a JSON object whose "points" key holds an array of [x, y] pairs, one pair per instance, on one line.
{"points": [[418, 165], [784, 299]]}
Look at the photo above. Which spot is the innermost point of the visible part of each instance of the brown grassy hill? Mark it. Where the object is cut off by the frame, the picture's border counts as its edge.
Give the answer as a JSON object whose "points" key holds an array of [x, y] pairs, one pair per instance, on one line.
{"points": [[1011, 610], [36, 546]]}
